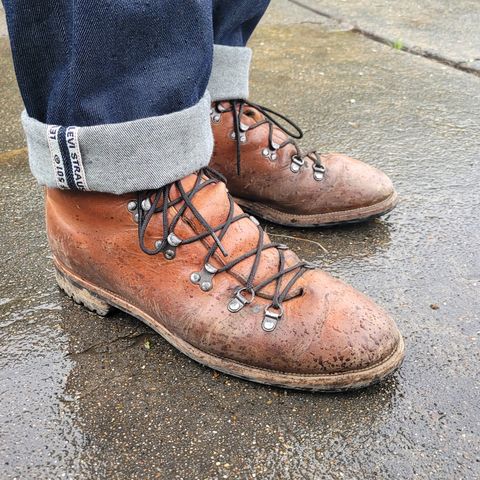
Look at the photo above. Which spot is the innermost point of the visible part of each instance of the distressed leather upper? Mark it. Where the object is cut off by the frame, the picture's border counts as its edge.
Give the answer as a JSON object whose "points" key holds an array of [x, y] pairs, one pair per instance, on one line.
{"points": [[347, 184], [327, 326]]}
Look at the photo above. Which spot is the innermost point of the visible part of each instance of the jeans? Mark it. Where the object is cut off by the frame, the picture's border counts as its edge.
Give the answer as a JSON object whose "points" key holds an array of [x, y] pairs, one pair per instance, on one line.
{"points": [[117, 93]]}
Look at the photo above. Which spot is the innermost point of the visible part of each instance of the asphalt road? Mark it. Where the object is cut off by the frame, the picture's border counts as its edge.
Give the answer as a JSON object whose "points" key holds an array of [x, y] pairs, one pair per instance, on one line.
{"points": [[84, 397]]}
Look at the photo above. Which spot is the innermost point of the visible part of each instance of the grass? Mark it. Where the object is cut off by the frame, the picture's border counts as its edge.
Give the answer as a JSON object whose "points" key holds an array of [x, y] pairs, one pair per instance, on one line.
{"points": [[398, 44]]}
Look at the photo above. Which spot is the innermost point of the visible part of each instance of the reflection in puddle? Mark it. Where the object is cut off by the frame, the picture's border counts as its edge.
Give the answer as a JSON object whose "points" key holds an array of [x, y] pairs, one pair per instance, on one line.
{"points": [[332, 245], [38, 436]]}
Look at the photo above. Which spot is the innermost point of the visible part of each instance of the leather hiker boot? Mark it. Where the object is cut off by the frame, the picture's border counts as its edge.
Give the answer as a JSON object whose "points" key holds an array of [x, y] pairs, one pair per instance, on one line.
{"points": [[271, 177], [188, 262]]}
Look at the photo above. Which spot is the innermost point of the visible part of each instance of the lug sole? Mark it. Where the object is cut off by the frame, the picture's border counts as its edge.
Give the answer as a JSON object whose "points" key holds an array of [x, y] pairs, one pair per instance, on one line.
{"points": [[102, 302], [331, 219]]}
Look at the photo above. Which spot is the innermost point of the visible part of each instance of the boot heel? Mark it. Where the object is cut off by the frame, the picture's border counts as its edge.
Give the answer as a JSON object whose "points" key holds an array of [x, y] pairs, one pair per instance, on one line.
{"points": [[81, 295]]}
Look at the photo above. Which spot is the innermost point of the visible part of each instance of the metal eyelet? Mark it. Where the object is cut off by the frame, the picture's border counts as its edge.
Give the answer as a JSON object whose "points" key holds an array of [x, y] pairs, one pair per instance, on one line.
{"points": [[215, 115], [271, 154], [216, 118], [254, 220], [271, 318], [239, 300], [132, 207], [243, 137], [170, 252], [297, 163], [204, 278], [318, 172], [146, 204], [173, 242]]}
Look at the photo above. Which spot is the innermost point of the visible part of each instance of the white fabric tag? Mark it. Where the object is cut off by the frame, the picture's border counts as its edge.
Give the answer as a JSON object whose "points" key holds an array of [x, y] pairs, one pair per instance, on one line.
{"points": [[78, 171], [56, 155]]}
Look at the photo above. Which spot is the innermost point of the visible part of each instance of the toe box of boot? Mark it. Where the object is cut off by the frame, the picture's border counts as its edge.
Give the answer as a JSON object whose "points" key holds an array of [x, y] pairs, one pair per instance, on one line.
{"points": [[353, 184], [331, 328]]}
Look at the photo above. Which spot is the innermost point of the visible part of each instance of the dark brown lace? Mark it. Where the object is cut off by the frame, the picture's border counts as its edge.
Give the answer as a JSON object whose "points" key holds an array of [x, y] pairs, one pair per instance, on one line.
{"points": [[151, 203], [237, 108]]}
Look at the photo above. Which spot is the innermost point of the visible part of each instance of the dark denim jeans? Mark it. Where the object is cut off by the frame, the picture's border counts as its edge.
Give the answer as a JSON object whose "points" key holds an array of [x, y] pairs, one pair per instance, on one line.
{"points": [[94, 62]]}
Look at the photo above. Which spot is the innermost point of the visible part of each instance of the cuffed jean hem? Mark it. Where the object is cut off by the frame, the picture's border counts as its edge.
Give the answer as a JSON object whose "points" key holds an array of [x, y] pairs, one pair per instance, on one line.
{"points": [[230, 70], [123, 157]]}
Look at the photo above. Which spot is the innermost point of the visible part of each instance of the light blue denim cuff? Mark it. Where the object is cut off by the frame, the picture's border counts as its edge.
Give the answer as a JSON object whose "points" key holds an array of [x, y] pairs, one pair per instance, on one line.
{"points": [[230, 71], [122, 157]]}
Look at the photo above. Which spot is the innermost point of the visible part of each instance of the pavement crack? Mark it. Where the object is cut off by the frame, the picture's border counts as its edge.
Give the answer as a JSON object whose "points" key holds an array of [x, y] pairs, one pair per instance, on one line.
{"points": [[102, 347], [413, 50]]}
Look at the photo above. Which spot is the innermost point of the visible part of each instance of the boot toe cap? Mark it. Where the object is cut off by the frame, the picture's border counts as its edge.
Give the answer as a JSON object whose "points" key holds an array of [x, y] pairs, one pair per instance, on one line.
{"points": [[348, 332], [359, 185]]}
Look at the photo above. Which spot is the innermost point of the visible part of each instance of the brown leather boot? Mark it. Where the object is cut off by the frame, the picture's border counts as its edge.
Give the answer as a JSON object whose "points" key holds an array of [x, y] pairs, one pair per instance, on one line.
{"points": [[190, 264], [270, 176]]}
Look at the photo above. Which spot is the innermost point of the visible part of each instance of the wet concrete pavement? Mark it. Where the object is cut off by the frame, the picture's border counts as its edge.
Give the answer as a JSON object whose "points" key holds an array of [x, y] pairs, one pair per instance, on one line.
{"points": [[446, 30], [84, 397]]}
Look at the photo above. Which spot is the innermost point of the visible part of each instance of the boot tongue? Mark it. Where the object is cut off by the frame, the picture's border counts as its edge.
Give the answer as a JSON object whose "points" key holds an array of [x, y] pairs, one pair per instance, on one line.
{"points": [[242, 236]]}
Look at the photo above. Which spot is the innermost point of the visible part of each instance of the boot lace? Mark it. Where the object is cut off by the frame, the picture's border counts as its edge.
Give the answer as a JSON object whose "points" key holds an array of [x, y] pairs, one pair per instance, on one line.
{"points": [[150, 203], [272, 119]]}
